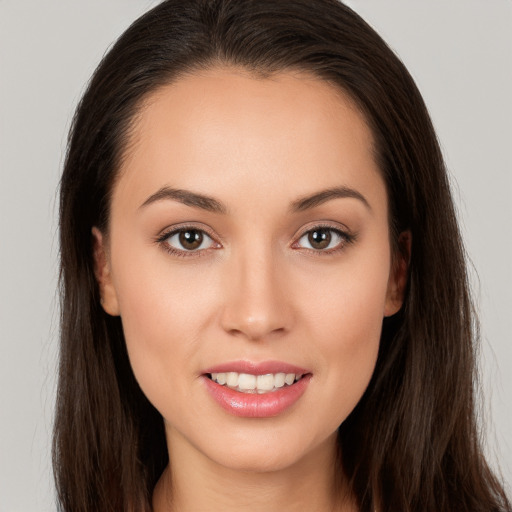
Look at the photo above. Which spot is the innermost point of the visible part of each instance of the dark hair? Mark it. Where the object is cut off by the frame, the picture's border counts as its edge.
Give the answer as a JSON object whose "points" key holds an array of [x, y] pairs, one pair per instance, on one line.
{"points": [[412, 442]]}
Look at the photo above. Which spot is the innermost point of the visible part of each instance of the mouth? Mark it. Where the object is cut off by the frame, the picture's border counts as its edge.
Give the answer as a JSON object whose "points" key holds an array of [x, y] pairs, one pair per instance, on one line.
{"points": [[255, 384], [256, 390]]}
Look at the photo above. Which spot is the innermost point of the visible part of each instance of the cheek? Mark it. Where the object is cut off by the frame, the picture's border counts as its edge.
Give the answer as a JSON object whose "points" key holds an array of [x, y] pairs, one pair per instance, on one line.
{"points": [[346, 322], [170, 320], [163, 316], [348, 300]]}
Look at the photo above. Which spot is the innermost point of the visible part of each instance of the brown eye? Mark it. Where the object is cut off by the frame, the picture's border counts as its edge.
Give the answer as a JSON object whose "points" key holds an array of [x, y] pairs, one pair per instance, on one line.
{"points": [[319, 238], [322, 239], [191, 239], [188, 240]]}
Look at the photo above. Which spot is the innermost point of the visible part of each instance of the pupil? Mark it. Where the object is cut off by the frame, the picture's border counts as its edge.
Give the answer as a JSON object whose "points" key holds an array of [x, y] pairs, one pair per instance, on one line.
{"points": [[191, 239], [320, 238]]}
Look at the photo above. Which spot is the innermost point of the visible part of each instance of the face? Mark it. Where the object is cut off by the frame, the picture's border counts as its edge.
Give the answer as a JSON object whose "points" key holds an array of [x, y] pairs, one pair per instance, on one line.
{"points": [[248, 256]]}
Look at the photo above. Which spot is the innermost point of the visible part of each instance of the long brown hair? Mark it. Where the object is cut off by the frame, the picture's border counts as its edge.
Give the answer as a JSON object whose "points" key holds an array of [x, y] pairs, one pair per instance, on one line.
{"points": [[412, 442]]}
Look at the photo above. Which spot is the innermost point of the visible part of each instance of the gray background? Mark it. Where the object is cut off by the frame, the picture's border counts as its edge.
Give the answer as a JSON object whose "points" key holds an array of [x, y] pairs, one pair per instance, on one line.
{"points": [[460, 53]]}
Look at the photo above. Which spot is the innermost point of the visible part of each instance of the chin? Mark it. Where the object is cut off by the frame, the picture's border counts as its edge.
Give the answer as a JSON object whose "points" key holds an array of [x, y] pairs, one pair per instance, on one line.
{"points": [[271, 452], [258, 461]]}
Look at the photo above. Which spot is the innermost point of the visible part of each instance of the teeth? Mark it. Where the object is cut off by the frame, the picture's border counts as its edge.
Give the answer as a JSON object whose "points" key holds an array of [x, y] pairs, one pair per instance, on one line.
{"points": [[279, 379], [289, 379], [248, 383], [265, 382], [232, 379]]}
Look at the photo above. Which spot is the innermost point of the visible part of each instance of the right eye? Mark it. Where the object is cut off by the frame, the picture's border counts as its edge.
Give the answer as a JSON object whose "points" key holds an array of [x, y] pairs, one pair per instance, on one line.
{"points": [[187, 240]]}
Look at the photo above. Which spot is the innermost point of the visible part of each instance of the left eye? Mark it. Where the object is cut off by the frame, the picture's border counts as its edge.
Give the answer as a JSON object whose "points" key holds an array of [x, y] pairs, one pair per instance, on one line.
{"points": [[189, 240], [321, 239]]}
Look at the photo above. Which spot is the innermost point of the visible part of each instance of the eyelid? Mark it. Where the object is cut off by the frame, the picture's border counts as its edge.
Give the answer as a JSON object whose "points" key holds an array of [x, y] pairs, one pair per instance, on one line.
{"points": [[348, 237], [169, 231], [341, 230]]}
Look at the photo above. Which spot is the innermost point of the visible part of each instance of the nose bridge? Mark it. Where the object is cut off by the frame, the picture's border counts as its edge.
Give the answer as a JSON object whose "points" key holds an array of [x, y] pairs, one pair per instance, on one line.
{"points": [[256, 304]]}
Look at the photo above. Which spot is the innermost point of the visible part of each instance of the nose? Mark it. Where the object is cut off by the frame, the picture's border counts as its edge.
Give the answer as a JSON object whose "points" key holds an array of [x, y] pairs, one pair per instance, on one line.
{"points": [[256, 299]]}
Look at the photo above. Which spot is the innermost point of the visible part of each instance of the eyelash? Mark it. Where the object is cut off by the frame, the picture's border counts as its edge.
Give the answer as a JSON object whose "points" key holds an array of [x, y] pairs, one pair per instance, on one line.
{"points": [[345, 239], [184, 253]]}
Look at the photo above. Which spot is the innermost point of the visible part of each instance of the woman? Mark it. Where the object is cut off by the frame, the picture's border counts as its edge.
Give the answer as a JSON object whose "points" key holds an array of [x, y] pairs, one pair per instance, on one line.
{"points": [[263, 279]]}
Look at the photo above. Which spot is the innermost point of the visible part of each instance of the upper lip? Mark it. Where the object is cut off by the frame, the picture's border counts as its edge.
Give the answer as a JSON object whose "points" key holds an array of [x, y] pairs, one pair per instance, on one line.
{"points": [[253, 368]]}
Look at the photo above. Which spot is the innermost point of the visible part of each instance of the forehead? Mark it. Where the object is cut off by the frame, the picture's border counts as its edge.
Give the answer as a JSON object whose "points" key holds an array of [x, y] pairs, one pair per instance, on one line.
{"points": [[215, 129]]}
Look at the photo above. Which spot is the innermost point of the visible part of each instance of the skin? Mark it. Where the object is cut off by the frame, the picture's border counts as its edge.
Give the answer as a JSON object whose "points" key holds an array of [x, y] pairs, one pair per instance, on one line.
{"points": [[258, 291]]}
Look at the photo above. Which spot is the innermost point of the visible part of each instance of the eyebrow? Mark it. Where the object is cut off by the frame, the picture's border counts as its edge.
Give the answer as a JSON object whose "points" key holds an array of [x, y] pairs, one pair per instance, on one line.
{"points": [[305, 203], [212, 205], [186, 197]]}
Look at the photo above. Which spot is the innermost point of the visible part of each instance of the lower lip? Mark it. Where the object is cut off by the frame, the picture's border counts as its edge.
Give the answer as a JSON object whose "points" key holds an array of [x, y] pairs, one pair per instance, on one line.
{"points": [[253, 405]]}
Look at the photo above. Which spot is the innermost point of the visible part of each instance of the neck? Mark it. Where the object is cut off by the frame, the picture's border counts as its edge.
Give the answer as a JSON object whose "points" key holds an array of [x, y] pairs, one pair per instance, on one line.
{"points": [[193, 483]]}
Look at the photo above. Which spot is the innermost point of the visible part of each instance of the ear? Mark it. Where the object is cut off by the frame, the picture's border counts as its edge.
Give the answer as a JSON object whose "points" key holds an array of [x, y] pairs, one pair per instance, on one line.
{"points": [[103, 273], [398, 275]]}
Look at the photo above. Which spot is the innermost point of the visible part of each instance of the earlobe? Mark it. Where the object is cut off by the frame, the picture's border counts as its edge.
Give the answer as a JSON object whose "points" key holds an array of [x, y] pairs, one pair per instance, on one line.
{"points": [[103, 274], [398, 275]]}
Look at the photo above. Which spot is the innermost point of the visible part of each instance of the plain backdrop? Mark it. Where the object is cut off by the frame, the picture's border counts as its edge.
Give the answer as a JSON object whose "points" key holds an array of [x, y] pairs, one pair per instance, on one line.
{"points": [[460, 53]]}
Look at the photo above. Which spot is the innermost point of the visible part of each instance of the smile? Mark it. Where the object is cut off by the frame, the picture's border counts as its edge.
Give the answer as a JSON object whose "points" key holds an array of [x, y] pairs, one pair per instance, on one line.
{"points": [[256, 390], [255, 384]]}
